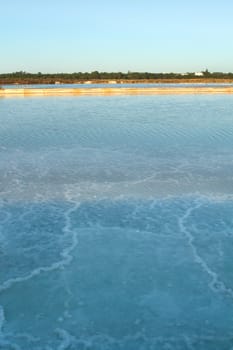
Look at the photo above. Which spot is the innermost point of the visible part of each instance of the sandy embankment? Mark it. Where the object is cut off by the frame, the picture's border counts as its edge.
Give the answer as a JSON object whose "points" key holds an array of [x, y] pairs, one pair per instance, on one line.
{"points": [[115, 91]]}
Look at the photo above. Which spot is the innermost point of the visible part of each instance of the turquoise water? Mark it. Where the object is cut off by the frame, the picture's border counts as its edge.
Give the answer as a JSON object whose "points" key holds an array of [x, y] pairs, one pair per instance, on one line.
{"points": [[116, 223]]}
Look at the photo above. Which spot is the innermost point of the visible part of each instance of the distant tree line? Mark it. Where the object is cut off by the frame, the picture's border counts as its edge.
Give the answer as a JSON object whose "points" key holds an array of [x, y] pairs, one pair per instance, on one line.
{"points": [[22, 77]]}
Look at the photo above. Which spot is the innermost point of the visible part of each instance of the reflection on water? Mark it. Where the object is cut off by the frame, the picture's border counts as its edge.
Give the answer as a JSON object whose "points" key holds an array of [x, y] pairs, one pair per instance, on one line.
{"points": [[116, 223]]}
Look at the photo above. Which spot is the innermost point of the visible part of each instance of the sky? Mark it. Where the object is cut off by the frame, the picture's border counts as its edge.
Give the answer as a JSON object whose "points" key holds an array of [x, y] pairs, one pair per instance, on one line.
{"points": [[52, 36]]}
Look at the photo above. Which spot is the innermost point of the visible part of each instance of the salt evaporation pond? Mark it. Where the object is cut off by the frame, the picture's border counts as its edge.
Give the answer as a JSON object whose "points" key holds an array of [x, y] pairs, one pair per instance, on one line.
{"points": [[116, 223]]}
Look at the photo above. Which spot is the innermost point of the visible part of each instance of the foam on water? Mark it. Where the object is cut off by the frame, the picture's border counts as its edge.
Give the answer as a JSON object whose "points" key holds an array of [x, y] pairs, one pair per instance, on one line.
{"points": [[116, 227], [144, 244]]}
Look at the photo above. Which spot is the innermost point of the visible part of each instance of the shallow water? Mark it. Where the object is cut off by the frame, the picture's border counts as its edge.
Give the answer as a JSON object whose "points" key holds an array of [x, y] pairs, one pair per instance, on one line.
{"points": [[114, 85], [116, 226]]}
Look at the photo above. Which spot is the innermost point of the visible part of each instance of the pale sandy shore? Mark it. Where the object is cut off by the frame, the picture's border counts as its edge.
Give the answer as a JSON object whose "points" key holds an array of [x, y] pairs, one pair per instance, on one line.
{"points": [[115, 91]]}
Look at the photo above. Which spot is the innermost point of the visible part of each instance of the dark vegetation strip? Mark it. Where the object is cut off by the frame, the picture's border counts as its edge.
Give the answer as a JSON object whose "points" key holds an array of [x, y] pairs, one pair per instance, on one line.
{"points": [[118, 77]]}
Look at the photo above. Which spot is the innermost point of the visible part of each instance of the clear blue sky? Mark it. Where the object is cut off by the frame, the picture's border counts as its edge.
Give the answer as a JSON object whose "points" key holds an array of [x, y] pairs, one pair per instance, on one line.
{"points": [[116, 35]]}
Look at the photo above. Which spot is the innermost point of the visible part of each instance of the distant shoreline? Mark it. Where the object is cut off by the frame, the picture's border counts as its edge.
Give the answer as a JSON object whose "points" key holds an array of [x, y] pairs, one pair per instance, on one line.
{"points": [[115, 91], [58, 81]]}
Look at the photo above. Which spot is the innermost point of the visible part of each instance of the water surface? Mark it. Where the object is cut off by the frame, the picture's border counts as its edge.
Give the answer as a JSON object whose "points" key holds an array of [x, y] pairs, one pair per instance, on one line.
{"points": [[115, 85], [116, 227]]}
